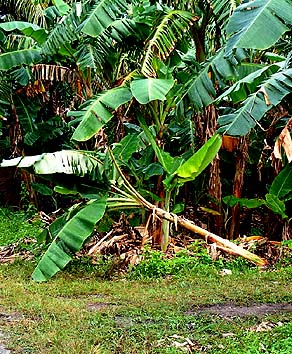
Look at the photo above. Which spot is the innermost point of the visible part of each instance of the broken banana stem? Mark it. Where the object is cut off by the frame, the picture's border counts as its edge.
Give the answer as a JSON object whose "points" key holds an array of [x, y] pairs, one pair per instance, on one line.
{"points": [[227, 245]]}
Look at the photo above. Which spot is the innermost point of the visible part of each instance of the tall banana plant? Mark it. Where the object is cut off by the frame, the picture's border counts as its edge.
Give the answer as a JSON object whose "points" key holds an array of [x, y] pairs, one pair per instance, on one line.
{"points": [[248, 28], [71, 231]]}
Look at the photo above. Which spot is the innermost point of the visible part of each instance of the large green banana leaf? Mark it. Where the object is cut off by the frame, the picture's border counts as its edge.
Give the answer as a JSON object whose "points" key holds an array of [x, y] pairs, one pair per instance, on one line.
{"points": [[28, 29], [146, 90], [282, 184], [172, 28], [258, 24], [270, 94], [19, 57], [72, 162], [103, 14], [70, 239], [200, 88], [248, 84], [191, 168], [63, 32], [94, 113]]}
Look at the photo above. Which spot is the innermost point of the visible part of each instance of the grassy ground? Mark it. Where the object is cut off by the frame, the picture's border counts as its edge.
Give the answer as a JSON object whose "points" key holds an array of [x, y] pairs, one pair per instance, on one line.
{"points": [[78, 312]]}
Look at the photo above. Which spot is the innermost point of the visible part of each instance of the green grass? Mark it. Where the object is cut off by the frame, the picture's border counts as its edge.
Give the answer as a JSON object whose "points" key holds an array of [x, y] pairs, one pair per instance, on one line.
{"points": [[14, 226], [80, 313], [150, 310]]}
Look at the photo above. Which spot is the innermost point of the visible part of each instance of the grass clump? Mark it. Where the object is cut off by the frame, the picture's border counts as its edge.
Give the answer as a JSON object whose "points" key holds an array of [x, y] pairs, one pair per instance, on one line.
{"points": [[14, 226]]}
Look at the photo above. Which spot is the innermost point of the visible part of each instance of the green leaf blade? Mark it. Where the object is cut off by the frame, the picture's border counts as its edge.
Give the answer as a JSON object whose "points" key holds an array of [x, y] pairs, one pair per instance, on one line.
{"points": [[94, 113], [282, 184], [190, 169], [150, 89], [71, 237]]}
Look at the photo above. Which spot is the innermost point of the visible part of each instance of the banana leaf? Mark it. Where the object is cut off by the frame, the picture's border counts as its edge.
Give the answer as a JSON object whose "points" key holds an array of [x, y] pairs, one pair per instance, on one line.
{"points": [[70, 240]]}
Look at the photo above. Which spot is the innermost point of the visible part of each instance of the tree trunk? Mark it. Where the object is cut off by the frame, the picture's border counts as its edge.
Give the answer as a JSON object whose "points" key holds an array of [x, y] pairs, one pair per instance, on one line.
{"points": [[238, 186]]}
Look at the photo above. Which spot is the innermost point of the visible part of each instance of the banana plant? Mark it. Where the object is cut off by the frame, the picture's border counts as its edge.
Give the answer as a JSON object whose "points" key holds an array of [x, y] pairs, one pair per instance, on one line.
{"points": [[278, 194], [69, 233]]}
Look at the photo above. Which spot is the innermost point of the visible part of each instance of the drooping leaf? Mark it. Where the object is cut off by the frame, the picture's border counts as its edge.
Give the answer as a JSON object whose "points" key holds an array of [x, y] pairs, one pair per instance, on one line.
{"points": [[258, 24], [247, 85], [28, 29], [19, 57], [69, 240], [276, 205], [64, 32], [102, 15], [282, 184], [67, 161], [190, 169], [201, 92], [270, 94], [94, 114], [200, 87], [146, 90], [172, 27], [87, 56]]}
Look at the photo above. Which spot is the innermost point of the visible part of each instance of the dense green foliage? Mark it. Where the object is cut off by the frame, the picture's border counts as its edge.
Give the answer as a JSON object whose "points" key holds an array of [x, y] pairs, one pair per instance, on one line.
{"points": [[100, 89]]}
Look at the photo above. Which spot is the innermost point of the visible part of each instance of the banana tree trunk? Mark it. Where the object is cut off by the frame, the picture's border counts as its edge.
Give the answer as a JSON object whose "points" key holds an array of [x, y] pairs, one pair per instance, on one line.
{"points": [[209, 236], [240, 167]]}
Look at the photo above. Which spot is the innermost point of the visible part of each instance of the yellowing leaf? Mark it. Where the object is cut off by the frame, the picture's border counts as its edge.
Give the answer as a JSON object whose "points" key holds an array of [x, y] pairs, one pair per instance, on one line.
{"points": [[284, 141]]}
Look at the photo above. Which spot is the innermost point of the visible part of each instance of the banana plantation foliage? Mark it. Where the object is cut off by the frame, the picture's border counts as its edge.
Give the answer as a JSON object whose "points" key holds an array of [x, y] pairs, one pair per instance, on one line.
{"points": [[178, 111]]}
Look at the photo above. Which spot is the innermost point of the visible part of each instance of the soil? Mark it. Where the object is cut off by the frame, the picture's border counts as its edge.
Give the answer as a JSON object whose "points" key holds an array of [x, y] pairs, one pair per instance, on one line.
{"points": [[4, 319], [228, 310], [3, 349]]}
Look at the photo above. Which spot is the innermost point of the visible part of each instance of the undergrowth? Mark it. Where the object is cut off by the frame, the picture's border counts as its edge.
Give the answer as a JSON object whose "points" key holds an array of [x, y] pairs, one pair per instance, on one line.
{"points": [[16, 225]]}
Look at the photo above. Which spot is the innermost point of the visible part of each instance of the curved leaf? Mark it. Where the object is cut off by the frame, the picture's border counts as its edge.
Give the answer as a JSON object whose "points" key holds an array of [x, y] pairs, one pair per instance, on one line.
{"points": [[70, 239], [66, 161], [276, 205], [94, 113], [19, 57], [146, 90], [28, 29], [258, 24], [126, 147], [171, 28], [247, 85], [282, 184], [201, 92], [200, 88], [102, 15], [63, 32], [190, 169], [256, 105]]}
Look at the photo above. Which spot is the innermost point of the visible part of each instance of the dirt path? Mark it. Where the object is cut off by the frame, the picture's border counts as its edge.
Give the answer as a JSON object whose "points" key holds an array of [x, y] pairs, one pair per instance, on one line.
{"points": [[232, 310], [3, 349]]}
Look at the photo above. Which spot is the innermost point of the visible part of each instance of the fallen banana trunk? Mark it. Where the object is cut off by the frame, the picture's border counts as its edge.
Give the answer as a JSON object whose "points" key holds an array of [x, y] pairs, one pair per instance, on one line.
{"points": [[189, 225], [222, 243], [227, 245]]}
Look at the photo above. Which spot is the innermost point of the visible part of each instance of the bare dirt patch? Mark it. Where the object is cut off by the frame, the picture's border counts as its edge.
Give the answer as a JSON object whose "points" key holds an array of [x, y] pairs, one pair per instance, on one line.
{"points": [[232, 310], [98, 306], [4, 319]]}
